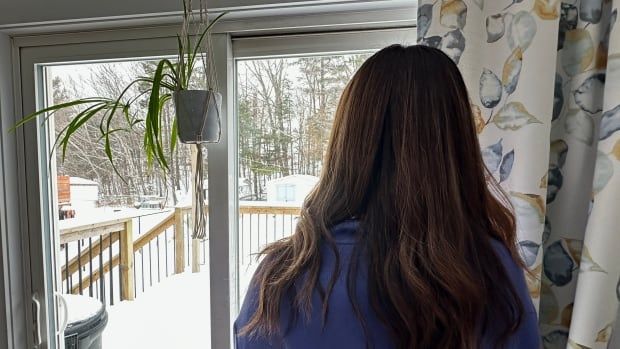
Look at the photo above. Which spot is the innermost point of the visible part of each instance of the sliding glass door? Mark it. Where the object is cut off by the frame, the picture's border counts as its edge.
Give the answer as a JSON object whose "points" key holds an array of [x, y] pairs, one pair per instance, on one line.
{"points": [[287, 90], [124, 242], [111, 252]]}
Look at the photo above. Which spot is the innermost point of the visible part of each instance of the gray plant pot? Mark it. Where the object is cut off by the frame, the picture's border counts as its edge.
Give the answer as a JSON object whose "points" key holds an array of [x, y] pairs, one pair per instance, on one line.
{"points": [[198, 116]]}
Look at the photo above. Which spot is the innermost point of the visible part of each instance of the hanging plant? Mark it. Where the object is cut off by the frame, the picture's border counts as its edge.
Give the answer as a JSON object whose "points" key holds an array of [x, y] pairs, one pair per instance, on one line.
{"points": [[197, 119], [170, 81]]}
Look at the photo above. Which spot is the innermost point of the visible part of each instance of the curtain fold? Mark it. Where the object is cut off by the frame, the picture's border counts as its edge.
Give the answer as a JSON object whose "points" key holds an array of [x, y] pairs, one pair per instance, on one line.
{"points": [[544, 78]]}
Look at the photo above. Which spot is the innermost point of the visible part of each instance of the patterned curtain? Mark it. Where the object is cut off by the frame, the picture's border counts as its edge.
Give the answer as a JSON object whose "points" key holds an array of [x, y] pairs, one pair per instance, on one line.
{"points": [[544, 78]]}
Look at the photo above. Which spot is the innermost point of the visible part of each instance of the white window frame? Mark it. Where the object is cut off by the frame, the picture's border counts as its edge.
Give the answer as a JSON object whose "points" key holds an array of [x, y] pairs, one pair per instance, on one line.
{"points": [[234, 39]]}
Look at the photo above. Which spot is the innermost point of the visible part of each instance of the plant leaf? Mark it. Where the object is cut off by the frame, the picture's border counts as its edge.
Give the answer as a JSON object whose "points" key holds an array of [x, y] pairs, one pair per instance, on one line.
{"points": [[610, 122], [513, 116], [506, 167], [587, 96], [529, 251], [521, 30], [557, 264], [578, 52], [543, 181], [616, 150], [569, 17], [591, 10], [546, 9], [496, 27], [575, 248], [533, 281], [555, 182], [453, 14], [162, 103], [574, 345], [588, 264], [546, 230], [432, 41], [478, 120], [604, 335], [532, 204], [153, 116], [580, 126], [174, 135], [529, 210], [453, 44], [53, 109], [490, 88], [492, 156], [512, 70], [76, 123], [425, 19], [558, 151]]}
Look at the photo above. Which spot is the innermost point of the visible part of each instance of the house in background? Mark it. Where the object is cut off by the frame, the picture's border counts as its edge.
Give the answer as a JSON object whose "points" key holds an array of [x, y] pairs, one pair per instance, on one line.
{"points": [[75, 195], [293, 188], [84, 193]]}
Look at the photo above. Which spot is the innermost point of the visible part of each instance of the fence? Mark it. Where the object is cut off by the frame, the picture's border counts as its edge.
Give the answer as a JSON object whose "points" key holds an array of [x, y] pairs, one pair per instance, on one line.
{"points": [[115, 260]]}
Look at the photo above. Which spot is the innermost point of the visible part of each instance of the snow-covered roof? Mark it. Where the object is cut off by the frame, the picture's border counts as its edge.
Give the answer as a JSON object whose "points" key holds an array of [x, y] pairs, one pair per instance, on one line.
{"points": [[81, 181], [295, 178]]}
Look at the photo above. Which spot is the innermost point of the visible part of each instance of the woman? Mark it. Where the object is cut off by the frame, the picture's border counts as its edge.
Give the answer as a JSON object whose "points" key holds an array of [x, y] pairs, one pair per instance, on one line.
{"points": [[407, 241]]}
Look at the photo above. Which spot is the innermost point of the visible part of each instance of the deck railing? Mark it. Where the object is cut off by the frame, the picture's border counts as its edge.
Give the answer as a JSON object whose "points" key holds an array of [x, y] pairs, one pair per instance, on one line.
{"points": [[118, 259]]}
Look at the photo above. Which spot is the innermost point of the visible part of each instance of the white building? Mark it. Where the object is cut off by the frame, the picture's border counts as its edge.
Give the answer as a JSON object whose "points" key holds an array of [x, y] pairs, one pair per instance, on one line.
{"points": [[292, 188], [84, 193]]}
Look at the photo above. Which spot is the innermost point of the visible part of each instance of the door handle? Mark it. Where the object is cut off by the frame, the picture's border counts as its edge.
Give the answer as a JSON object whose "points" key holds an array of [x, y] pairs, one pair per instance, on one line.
{"points": [[37, 321], [65, 312]]}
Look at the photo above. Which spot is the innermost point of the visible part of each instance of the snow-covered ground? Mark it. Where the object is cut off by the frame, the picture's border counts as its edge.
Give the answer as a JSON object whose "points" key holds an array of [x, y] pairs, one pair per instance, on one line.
{"points": [[172, 314], [173, 311]]}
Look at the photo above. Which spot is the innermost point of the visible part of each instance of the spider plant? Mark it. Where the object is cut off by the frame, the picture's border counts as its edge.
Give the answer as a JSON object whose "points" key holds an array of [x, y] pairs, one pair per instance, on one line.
{"points": [[168, 77]]}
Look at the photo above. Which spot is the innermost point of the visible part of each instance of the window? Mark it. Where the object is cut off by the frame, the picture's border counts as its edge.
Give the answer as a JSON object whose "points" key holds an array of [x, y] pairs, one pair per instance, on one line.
{"points": [[287, 91], [142, 238], [286, 192], [239, 227]]}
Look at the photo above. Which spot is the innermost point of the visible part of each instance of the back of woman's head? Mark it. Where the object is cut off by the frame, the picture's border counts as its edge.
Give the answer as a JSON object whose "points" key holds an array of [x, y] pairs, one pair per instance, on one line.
{"points": [[404, 160]]}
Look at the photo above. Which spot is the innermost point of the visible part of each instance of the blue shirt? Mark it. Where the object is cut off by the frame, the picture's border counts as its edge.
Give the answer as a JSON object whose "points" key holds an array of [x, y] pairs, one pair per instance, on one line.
{"points": [[342, 329]]}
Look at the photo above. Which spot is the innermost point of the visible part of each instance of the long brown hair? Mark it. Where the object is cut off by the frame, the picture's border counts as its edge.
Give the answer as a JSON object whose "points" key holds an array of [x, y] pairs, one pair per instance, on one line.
{"points": [[404, 160]]}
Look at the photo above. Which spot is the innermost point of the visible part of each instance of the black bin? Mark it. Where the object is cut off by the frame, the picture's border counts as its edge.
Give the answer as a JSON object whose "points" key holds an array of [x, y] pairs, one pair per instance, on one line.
{"points": [[87, 318]]}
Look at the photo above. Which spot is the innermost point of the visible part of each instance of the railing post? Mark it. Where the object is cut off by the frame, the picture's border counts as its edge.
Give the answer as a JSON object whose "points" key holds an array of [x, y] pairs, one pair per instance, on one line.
{"points": [[195, 256], [179, 242], [126, 263]]}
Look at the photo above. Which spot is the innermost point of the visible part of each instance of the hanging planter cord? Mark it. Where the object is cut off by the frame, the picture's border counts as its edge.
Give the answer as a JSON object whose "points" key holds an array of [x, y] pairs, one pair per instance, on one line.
{"points": [[200, 216], [199, 229]]}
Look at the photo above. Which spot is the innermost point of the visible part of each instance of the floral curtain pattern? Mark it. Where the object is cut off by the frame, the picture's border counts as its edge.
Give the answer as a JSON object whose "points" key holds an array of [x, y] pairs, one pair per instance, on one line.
{"points": [[544, 78]]}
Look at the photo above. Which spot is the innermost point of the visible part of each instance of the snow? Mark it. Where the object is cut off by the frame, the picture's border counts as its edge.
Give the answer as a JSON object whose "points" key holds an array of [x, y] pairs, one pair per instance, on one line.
{"points": [[175, 312], [107, 214], [80, 308], [82, 181], [172, 314]]}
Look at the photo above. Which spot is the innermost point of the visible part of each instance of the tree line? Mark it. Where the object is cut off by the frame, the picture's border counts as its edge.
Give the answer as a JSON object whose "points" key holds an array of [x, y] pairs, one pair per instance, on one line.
{"points": [[285, 111]]}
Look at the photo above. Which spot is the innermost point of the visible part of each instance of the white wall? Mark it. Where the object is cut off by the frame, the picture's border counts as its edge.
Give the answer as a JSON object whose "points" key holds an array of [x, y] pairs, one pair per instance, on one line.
{"points": [[14, 12], [303, 186]]}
